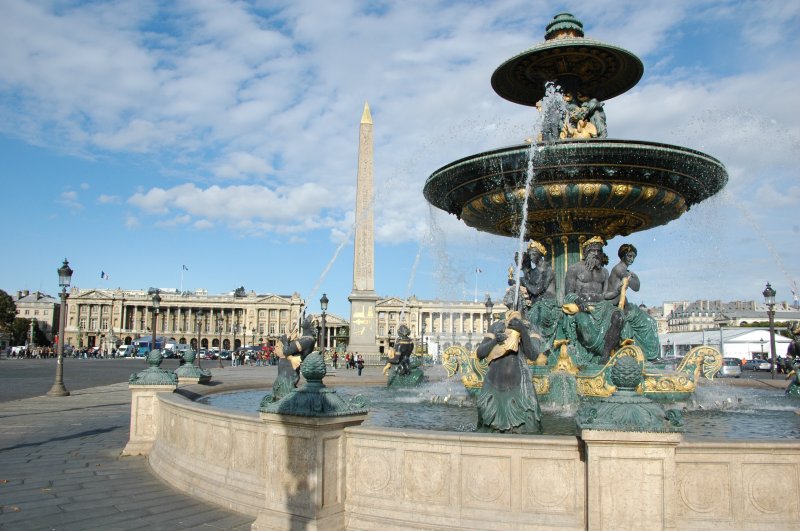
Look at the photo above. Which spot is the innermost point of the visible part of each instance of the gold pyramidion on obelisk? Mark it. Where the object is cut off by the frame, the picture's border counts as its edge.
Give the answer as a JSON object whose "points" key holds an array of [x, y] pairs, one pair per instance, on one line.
{"points": [[363, 297]]}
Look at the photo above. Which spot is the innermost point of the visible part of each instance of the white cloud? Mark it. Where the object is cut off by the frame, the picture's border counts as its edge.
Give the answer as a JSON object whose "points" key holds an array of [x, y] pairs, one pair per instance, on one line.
{"points": [[248, 112], [105, 199], [69, 198]]}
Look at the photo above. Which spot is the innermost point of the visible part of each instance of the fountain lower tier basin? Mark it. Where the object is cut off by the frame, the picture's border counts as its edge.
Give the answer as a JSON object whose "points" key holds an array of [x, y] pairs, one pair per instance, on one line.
{"points": [[719, 410], [296, 472], [580, 187]]}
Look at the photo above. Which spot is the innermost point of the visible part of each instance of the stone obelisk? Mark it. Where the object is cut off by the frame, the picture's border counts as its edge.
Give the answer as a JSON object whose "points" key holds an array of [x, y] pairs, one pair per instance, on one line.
{"points": [[363, 298]]}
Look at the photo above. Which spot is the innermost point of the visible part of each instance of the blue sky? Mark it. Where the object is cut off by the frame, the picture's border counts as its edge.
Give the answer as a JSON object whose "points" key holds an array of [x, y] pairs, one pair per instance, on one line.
{"points": [[139, 136]]}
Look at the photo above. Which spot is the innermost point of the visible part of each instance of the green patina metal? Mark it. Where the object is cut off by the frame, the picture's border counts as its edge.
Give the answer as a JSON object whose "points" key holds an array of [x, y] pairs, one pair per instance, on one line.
{"points": [[153, 374], [584, 186], [190, 371], [414, 378], [314, 399], [626, 410]]}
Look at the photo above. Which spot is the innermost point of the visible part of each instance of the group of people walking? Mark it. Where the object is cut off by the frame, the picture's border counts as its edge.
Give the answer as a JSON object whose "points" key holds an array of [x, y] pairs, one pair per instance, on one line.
{"points": [[351, 361]]}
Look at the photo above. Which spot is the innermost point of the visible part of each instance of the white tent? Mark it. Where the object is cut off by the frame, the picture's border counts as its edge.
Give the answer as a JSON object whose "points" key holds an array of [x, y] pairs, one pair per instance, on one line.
{"points": [[743, 343]]}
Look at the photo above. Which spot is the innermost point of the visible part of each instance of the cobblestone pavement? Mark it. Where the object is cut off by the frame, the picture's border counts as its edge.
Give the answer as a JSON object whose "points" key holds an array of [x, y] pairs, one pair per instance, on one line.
{"points": [[60, 464], [60, 468]]}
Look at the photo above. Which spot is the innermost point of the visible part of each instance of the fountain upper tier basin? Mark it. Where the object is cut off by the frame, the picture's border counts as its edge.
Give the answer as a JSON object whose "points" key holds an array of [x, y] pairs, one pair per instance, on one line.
{"points": [[592, 186]]}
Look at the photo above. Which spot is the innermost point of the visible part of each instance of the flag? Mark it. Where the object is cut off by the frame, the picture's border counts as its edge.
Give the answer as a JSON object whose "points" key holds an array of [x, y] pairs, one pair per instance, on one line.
{"points": [[104, 275], [185, 268], [478, 270]]}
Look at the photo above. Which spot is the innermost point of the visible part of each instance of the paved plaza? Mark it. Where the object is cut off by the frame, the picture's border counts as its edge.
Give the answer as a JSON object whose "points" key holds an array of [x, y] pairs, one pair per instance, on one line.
{"points": [[60, 464]]}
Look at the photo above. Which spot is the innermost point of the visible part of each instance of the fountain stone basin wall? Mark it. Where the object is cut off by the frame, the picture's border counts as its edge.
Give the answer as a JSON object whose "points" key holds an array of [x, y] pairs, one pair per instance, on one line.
{"points": [[332, 474]]}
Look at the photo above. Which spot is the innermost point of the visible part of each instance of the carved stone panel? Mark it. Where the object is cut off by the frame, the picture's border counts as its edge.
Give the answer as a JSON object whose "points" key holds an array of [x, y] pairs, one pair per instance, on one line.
{"points": [[373, 472], [426, 477], [245, 445], [770, 491], [549, 485], [632, 493], [290, 469], [703, 491], [486, 482]]}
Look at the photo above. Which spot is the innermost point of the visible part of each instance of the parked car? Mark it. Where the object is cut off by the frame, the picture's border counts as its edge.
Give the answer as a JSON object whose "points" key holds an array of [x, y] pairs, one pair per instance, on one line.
{"points": [[225, 354], [731, 368], [757, 365]]}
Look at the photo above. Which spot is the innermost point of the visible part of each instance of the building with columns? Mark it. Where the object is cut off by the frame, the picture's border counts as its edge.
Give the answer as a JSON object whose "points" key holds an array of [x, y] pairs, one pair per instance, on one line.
{"points": [[106, 318], [434, 324]]}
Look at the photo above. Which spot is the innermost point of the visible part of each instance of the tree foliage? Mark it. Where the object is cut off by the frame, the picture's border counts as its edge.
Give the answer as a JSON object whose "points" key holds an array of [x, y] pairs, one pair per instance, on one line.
{"points": [[8, 311], [20, 333]]}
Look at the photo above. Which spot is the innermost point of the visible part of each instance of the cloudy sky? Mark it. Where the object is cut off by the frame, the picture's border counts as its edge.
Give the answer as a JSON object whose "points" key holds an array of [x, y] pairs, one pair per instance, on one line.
{"points": [[141, 136]]}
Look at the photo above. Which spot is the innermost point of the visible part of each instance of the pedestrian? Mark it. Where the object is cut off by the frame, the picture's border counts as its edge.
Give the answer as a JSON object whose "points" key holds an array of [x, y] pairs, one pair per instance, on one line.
{"points": [[360, 364], [335, 358], [347, 361]]}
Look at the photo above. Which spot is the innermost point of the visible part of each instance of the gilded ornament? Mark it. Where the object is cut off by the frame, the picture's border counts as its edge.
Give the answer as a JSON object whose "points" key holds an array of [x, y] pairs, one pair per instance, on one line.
{"points": [[621, 189], [648, 192], [541, 384]]}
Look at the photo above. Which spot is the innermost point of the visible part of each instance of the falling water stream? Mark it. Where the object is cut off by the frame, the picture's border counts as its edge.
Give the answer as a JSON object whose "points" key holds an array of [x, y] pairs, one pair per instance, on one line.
{"points": [[552, 105]]}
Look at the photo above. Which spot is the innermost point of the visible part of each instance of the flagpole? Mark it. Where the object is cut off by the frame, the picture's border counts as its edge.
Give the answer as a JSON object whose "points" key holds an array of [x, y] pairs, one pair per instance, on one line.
{"points": [[182, 281], [476, 285]]}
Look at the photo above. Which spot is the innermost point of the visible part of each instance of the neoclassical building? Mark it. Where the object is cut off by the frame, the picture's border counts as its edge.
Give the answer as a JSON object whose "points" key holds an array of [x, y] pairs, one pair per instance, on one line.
{"points": [[106, 318], [435, 324]]}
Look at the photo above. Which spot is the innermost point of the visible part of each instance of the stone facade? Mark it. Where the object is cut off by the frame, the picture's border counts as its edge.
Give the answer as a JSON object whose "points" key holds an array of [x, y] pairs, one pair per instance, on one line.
{"points": [[105, 317], [41, 308]]}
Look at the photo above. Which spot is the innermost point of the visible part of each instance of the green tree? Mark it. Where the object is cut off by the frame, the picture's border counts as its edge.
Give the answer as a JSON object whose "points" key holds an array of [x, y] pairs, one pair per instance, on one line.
{"points": [[20, 329], [21, 333], [8, 312]]}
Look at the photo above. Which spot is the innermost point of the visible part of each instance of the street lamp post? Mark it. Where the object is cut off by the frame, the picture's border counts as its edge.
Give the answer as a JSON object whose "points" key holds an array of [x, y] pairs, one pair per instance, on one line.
{"points": [[64, 278], [489, 305], [323, 303], [769, 300], [254, 337], [199, 320], [235, 329], [156, 305], [219, 330]]}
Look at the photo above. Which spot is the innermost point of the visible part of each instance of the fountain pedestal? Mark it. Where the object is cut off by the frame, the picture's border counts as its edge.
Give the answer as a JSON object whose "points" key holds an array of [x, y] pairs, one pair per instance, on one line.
{"points": [[307, 462], [630, 478], [144, 417]]}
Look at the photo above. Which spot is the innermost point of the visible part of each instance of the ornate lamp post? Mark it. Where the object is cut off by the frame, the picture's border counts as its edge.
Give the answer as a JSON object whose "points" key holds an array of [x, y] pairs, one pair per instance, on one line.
{"points": [[235, 330], [64, 278], [199, 320], [769, 300], [219, 331], [156, 305], [669, 349], [323, 303], [489, 305]]}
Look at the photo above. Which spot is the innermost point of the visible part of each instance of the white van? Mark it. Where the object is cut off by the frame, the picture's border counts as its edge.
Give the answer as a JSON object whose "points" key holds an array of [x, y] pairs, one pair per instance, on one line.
{"points": [[125, 351]]}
